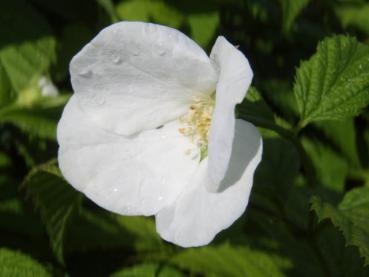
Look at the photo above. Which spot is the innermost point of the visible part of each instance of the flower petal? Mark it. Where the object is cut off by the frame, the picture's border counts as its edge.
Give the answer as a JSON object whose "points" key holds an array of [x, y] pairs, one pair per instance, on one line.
{"points": [[198, 215], [131, 176], [235, 77], [136, 76]]}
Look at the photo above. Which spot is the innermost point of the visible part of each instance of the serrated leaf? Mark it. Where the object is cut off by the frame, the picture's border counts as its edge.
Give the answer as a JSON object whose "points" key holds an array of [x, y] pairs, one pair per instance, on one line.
{"points": [[148, 270], [15, 264], [334, 83], [351, 217], [341, 259], [290, 10], [55, 200], [231, 261]]}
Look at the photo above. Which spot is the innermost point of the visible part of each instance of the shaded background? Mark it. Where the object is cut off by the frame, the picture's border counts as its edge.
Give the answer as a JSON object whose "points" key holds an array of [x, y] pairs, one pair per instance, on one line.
{"points": [[47, 228]]}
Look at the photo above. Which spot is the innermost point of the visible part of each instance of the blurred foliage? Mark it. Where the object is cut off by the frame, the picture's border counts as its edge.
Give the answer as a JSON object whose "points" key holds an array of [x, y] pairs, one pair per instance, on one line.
{"points": [[309, 209]]}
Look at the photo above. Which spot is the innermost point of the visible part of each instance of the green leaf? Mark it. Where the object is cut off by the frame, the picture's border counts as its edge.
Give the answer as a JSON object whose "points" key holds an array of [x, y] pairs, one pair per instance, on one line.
{"points": [[203, 27], [15, 264], [40, 118], [96, 230], [351, 217], [342, 135], [56, 201], [231, 261], [27, 49], [330, 168], [148, 270], [354, 15], [334, 83], [275, 174], [254, 109], [290, 10], [148, 11], [340, 259], [109, 8]]}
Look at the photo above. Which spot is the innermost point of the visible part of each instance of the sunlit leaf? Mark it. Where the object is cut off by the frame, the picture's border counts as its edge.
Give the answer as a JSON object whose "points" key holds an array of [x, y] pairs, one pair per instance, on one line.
{"points": [[334, 83], [146, 10], [231, 261], [203, 27], [355, 15], [15, 264]]}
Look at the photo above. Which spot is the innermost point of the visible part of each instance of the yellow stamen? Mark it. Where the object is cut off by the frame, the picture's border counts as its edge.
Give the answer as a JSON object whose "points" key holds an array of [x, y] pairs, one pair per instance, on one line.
{"points": [[197, 121]]}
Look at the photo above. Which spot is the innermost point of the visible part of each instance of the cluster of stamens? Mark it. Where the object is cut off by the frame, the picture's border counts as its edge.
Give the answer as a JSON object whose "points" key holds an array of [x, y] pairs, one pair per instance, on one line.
{"points": [[196, 123]]}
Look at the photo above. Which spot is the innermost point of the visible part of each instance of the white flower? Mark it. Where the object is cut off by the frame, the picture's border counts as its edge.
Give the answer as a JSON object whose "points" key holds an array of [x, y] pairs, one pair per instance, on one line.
{"points": [[141, 134]]}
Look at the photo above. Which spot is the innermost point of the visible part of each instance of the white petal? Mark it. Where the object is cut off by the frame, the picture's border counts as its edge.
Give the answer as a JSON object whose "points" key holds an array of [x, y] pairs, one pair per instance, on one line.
{"points": [[135, 76], [131, 176], [198, 215], [235, 77]]}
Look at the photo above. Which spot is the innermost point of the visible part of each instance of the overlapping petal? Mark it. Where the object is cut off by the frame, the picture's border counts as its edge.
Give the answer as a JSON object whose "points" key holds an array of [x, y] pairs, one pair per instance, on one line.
{"points": [[235, 77], [137, 175], [136, 76], [198, 215]]}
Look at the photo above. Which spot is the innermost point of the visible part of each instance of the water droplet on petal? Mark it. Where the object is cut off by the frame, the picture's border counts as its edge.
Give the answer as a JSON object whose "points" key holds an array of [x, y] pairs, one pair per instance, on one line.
{"points": [[160, 49], [86, 73], [160, 198], [117, 59]]}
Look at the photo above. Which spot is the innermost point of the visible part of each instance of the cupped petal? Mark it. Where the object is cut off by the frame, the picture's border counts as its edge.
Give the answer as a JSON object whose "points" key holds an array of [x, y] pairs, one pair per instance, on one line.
{"points": [[138, 175], [198, 215], [235, 77], [135, 76]]}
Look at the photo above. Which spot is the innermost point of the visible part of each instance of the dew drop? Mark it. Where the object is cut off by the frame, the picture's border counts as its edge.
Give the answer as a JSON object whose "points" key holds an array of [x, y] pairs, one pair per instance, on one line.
{"points": [[115, 190], [160, 50], [86, 73], [117, 59], [160, 198]]}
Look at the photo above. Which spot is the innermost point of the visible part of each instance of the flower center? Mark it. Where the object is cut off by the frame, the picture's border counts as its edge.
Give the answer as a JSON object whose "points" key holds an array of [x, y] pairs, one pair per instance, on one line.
{"points": [[196, 122]]}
